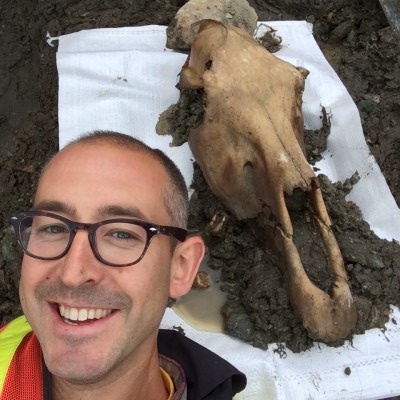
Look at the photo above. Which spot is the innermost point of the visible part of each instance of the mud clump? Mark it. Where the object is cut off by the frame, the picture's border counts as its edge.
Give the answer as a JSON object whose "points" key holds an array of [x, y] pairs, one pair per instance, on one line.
{"points": [[258, 309]]}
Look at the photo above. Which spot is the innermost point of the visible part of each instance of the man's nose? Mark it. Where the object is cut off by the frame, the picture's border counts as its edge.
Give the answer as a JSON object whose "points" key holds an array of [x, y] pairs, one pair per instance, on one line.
{"points": [[80, 266]]}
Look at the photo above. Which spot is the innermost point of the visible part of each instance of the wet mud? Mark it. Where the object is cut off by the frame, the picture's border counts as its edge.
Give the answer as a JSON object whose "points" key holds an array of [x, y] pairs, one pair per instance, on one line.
{"points": [[257, 309]]}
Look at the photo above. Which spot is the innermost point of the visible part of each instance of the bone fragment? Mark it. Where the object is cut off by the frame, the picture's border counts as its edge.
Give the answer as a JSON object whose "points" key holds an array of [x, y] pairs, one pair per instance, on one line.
{"points": [[201, 281], [216, 224], [251, 152], [181, 31]]}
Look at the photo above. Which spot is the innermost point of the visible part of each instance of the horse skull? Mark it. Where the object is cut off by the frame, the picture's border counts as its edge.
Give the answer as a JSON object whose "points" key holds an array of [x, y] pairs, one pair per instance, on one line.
{"points": [[250, 149]]}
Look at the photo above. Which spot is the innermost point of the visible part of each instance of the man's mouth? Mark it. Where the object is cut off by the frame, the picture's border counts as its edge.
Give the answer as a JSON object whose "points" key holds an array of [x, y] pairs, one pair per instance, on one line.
{"points": [[75, 316]]}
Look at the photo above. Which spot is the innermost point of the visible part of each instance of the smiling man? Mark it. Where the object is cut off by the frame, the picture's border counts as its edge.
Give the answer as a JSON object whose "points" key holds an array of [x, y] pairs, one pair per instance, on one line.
{"points": [[105, 247]]}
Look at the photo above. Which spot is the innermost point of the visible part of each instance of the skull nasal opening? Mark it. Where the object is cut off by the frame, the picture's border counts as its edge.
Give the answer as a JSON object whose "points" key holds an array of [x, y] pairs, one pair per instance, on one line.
{"points": [[247, 167]]}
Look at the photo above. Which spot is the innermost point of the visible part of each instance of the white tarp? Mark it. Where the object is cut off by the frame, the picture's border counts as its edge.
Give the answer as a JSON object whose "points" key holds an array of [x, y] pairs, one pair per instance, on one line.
{"points": [[122, 79]]}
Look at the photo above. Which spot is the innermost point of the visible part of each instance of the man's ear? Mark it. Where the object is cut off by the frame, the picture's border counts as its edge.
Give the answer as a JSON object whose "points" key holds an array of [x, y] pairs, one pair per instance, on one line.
{"points": [[185, 264]]}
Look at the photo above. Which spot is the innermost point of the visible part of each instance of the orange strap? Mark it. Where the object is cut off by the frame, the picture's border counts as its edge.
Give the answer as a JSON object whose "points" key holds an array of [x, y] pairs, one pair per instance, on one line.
{"points": [[168, 382]]}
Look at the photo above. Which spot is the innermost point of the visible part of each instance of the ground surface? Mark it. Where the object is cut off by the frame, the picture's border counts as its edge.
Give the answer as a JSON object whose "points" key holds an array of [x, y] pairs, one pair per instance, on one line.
{"points": [[354, 36]]}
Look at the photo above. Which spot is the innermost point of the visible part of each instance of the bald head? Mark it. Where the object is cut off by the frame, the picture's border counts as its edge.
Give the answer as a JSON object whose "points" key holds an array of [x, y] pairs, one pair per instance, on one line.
{"points": [[175, 196]]}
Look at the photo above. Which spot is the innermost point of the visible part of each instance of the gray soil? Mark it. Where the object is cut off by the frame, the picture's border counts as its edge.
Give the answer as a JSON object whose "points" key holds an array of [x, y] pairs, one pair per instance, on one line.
{"points": [[258, 308], [358, 42]]}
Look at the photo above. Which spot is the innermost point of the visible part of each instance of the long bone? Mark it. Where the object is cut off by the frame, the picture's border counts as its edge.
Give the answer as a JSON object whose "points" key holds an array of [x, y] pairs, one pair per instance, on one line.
{"points": [[250, 149]]}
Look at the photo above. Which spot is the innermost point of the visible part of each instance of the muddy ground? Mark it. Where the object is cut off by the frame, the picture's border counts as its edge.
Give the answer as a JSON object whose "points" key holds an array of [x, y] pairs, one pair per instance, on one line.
{"points": [[258, 307], [357, 40]]}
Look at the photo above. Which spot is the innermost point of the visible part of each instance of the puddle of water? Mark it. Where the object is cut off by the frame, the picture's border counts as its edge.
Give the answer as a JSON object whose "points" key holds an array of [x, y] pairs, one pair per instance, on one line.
{"points": [[201, 308]]}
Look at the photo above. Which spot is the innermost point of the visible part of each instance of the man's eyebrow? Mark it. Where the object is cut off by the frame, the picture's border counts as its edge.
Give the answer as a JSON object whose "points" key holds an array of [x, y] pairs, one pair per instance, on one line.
{"points": [[55, 206], [121, 211], [103, 212]]}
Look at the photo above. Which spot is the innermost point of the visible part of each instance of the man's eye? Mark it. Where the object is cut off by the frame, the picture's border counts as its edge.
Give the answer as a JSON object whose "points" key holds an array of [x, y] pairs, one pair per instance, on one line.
{"points": [[122, 235], [118, 234], [53, 229]]}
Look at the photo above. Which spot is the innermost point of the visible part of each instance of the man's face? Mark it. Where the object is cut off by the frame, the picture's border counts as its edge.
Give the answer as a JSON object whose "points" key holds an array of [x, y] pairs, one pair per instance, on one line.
{"points": [[91, 183]]}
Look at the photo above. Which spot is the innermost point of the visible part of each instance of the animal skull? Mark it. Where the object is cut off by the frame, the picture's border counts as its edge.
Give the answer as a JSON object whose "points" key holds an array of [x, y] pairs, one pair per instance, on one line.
{"points": [[251, 151]]}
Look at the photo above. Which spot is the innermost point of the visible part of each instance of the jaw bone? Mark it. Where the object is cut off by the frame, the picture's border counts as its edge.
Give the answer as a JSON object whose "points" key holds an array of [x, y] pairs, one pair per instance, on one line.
{"points": [[250, 149]]}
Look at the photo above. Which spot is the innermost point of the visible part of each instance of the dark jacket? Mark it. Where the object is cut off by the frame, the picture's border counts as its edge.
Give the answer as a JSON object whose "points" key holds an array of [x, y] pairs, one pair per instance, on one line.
{"points": [[208, 376]]}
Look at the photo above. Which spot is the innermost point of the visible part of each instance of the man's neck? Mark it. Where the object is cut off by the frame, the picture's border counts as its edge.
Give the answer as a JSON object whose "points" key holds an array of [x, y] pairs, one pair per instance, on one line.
{"points": [[144, 383]]}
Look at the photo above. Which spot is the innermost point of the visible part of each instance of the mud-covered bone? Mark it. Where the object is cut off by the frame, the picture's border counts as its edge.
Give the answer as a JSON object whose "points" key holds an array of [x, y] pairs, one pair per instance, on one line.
{"points": [[250, 149]]}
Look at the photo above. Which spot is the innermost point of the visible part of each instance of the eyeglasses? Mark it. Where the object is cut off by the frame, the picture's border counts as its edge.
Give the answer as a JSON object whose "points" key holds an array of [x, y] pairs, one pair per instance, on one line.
{"points": [[118, 242]]}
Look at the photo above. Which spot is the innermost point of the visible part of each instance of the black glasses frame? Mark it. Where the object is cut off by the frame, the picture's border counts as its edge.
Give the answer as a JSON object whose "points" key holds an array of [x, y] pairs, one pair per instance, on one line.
{"points": [[150, 228]]}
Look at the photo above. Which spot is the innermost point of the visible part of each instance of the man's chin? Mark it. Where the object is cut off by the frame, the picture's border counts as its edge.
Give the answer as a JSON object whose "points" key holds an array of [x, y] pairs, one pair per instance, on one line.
{"points": [[77, 372]]}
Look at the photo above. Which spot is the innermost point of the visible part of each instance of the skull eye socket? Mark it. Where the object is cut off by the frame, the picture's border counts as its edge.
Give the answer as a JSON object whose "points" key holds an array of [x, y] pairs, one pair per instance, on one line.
{"points": [[248, 166]]}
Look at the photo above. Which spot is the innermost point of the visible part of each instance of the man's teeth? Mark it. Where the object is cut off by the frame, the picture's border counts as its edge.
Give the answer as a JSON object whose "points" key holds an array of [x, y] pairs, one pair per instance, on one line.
{"points": [[82, 314]]}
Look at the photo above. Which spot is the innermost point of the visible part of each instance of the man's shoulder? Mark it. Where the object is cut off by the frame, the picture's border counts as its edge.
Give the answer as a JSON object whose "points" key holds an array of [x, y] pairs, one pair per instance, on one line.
{"points": [[21, 361], [208, 375], [12, 335]]}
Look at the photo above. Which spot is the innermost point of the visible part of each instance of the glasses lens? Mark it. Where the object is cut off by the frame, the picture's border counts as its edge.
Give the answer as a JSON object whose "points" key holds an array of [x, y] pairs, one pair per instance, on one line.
{"points": [[44, 237], [120, 243]]}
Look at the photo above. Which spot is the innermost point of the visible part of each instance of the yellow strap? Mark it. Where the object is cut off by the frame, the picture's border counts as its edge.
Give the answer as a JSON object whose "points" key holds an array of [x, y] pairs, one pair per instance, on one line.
{"points": [[10, 338], [168, 382]]}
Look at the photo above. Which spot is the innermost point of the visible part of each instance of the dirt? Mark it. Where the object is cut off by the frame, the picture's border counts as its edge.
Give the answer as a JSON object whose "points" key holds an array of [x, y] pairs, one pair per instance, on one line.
{"points": [[258, 309], [358, 42]]}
